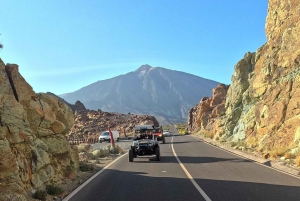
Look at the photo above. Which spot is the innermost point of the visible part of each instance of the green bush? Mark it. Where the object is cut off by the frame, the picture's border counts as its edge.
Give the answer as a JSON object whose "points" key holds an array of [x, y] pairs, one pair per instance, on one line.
{"points": [[54, 190], [86, 167], [40, 195]]}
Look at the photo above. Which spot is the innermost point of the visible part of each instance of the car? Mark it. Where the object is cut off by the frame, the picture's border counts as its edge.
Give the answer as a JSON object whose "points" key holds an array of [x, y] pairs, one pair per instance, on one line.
{"points": [[166, 133], [106, 137], [144, 143]]}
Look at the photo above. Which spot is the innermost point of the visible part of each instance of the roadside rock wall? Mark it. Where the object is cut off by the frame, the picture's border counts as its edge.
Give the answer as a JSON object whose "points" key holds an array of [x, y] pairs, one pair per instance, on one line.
{"points": [[33, 148], [263, 100]]}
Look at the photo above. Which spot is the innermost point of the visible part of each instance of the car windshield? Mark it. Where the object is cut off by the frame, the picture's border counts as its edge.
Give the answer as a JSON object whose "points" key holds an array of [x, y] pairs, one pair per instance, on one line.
{"points": [[105, 133]]}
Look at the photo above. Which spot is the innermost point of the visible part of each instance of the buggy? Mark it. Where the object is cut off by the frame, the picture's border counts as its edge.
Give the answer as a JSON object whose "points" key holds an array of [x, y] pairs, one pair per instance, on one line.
{"points": [[158, 132], [144, 143]]}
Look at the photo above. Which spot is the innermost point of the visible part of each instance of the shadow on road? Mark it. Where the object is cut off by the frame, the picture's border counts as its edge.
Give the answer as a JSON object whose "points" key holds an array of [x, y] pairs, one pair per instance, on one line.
{"points": [[185, 142], [117, 185], [187, 159]]}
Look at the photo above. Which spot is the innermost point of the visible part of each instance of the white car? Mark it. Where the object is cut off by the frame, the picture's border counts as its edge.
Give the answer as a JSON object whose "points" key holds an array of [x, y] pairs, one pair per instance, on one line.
{"points": [[166, 133], [106, 137]]}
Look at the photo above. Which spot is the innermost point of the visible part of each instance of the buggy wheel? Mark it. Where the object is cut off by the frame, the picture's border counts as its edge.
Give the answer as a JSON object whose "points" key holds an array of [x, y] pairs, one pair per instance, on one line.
{"points": [[163, 139], [157, 153], [130, 155]]}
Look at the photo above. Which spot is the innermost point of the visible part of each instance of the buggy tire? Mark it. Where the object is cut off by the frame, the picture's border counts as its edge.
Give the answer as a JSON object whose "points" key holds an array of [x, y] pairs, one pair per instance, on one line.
{"points": [[157, 153], [130, 155]]}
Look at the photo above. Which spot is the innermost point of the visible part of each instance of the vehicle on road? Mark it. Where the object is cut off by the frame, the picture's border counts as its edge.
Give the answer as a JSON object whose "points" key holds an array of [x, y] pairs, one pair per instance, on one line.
{"points": [[166, 133], [144, 143], [158, 132], [106, 137]]}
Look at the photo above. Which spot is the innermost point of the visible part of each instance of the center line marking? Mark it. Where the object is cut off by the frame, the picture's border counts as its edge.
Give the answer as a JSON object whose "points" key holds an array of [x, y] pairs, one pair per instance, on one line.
{"points": [[189, 175]]}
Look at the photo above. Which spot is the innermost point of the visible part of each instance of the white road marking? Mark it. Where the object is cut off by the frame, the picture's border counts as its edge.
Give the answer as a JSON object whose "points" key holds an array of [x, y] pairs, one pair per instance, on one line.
{"points": [[189, 175], [90, 179]]}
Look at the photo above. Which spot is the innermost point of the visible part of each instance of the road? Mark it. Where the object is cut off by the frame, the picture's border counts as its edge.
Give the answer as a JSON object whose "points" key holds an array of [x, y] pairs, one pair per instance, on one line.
{"points": [[206, 173]]}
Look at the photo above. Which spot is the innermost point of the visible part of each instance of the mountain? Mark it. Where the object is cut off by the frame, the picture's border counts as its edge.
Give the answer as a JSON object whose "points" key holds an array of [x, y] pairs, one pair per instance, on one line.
{"points": [[164, 93]]}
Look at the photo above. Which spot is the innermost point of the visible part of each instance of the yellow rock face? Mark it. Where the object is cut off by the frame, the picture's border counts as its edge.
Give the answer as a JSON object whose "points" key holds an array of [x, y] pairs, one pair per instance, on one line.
{"points": [[263, 100], [33, 148]]}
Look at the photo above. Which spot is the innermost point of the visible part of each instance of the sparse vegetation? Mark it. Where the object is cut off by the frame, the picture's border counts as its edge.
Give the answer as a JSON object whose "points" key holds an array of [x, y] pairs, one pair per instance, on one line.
{"points": [[40, 195], [166, 127], [209, 135], [86, 167], [54, 190], [181, 128], [278, 152], [232, 144]]}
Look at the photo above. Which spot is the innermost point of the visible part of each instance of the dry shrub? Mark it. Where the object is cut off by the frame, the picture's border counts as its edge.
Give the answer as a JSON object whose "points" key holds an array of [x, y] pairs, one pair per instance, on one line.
{"points": [[297, 161], [278, 151], [40, 195], [209, 135], [288, 155]]}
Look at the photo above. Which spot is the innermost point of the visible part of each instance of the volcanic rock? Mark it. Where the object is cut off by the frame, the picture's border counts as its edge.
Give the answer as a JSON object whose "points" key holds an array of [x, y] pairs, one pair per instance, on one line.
{"points": [[33, 149], [263, 100]]}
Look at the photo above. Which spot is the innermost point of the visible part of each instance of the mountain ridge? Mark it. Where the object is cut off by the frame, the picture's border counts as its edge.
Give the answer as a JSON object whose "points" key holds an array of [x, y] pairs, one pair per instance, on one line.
{"points": [[164, 93]]}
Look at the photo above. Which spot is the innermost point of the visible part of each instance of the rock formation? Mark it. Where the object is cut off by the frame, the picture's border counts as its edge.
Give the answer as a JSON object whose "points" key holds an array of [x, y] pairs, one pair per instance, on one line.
{"points": [[263, 101], [34, 151], [89, 124], [207, 114]]}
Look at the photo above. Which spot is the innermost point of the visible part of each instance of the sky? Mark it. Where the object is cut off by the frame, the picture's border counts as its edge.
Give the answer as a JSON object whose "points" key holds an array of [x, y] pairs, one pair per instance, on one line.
{"points": [[62, 46]]}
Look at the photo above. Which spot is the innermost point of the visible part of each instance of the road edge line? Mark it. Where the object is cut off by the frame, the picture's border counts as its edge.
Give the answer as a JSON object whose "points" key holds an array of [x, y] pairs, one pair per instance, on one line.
{"points": [[189, 175], [90, 179]]}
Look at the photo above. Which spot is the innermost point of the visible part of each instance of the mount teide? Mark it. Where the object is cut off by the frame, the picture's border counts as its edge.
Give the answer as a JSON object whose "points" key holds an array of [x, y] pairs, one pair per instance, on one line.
{"points": [[164, 93]]}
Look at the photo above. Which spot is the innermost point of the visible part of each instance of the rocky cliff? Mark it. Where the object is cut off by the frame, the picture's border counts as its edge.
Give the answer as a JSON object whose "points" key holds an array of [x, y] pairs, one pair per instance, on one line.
{"points": [[34, 151], [263, 100], [89, 124]]}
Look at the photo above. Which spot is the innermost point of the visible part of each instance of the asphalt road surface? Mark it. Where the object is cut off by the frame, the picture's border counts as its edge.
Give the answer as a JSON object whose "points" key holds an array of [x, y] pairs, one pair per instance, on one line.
{"points": [[198, 172]]}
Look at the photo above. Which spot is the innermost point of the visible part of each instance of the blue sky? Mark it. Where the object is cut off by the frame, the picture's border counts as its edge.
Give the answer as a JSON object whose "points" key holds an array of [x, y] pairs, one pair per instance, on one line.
{"points": [[62, 46]]}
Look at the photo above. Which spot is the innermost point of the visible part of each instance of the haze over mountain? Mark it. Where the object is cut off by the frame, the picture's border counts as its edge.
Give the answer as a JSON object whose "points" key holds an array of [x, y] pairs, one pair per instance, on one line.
{"points": [[164, 93]]}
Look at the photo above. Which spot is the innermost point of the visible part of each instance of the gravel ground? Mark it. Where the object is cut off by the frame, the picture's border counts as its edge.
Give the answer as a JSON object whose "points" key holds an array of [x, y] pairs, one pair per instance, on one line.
{"points": [[124, 144]]}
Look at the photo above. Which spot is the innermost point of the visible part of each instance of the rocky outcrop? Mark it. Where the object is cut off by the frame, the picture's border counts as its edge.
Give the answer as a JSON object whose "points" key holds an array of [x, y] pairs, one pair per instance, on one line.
{"points": [[33, 147], [79, 106], [207, 114], [89, 124], [262, 103]]}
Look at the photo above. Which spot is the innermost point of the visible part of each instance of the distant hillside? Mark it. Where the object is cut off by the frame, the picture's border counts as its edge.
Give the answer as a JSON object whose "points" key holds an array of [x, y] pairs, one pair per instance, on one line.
{"points": [[164, 93]]}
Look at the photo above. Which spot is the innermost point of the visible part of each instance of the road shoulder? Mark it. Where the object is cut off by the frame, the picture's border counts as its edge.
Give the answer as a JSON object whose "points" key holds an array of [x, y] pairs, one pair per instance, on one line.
{"points": [[277, 165]]}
